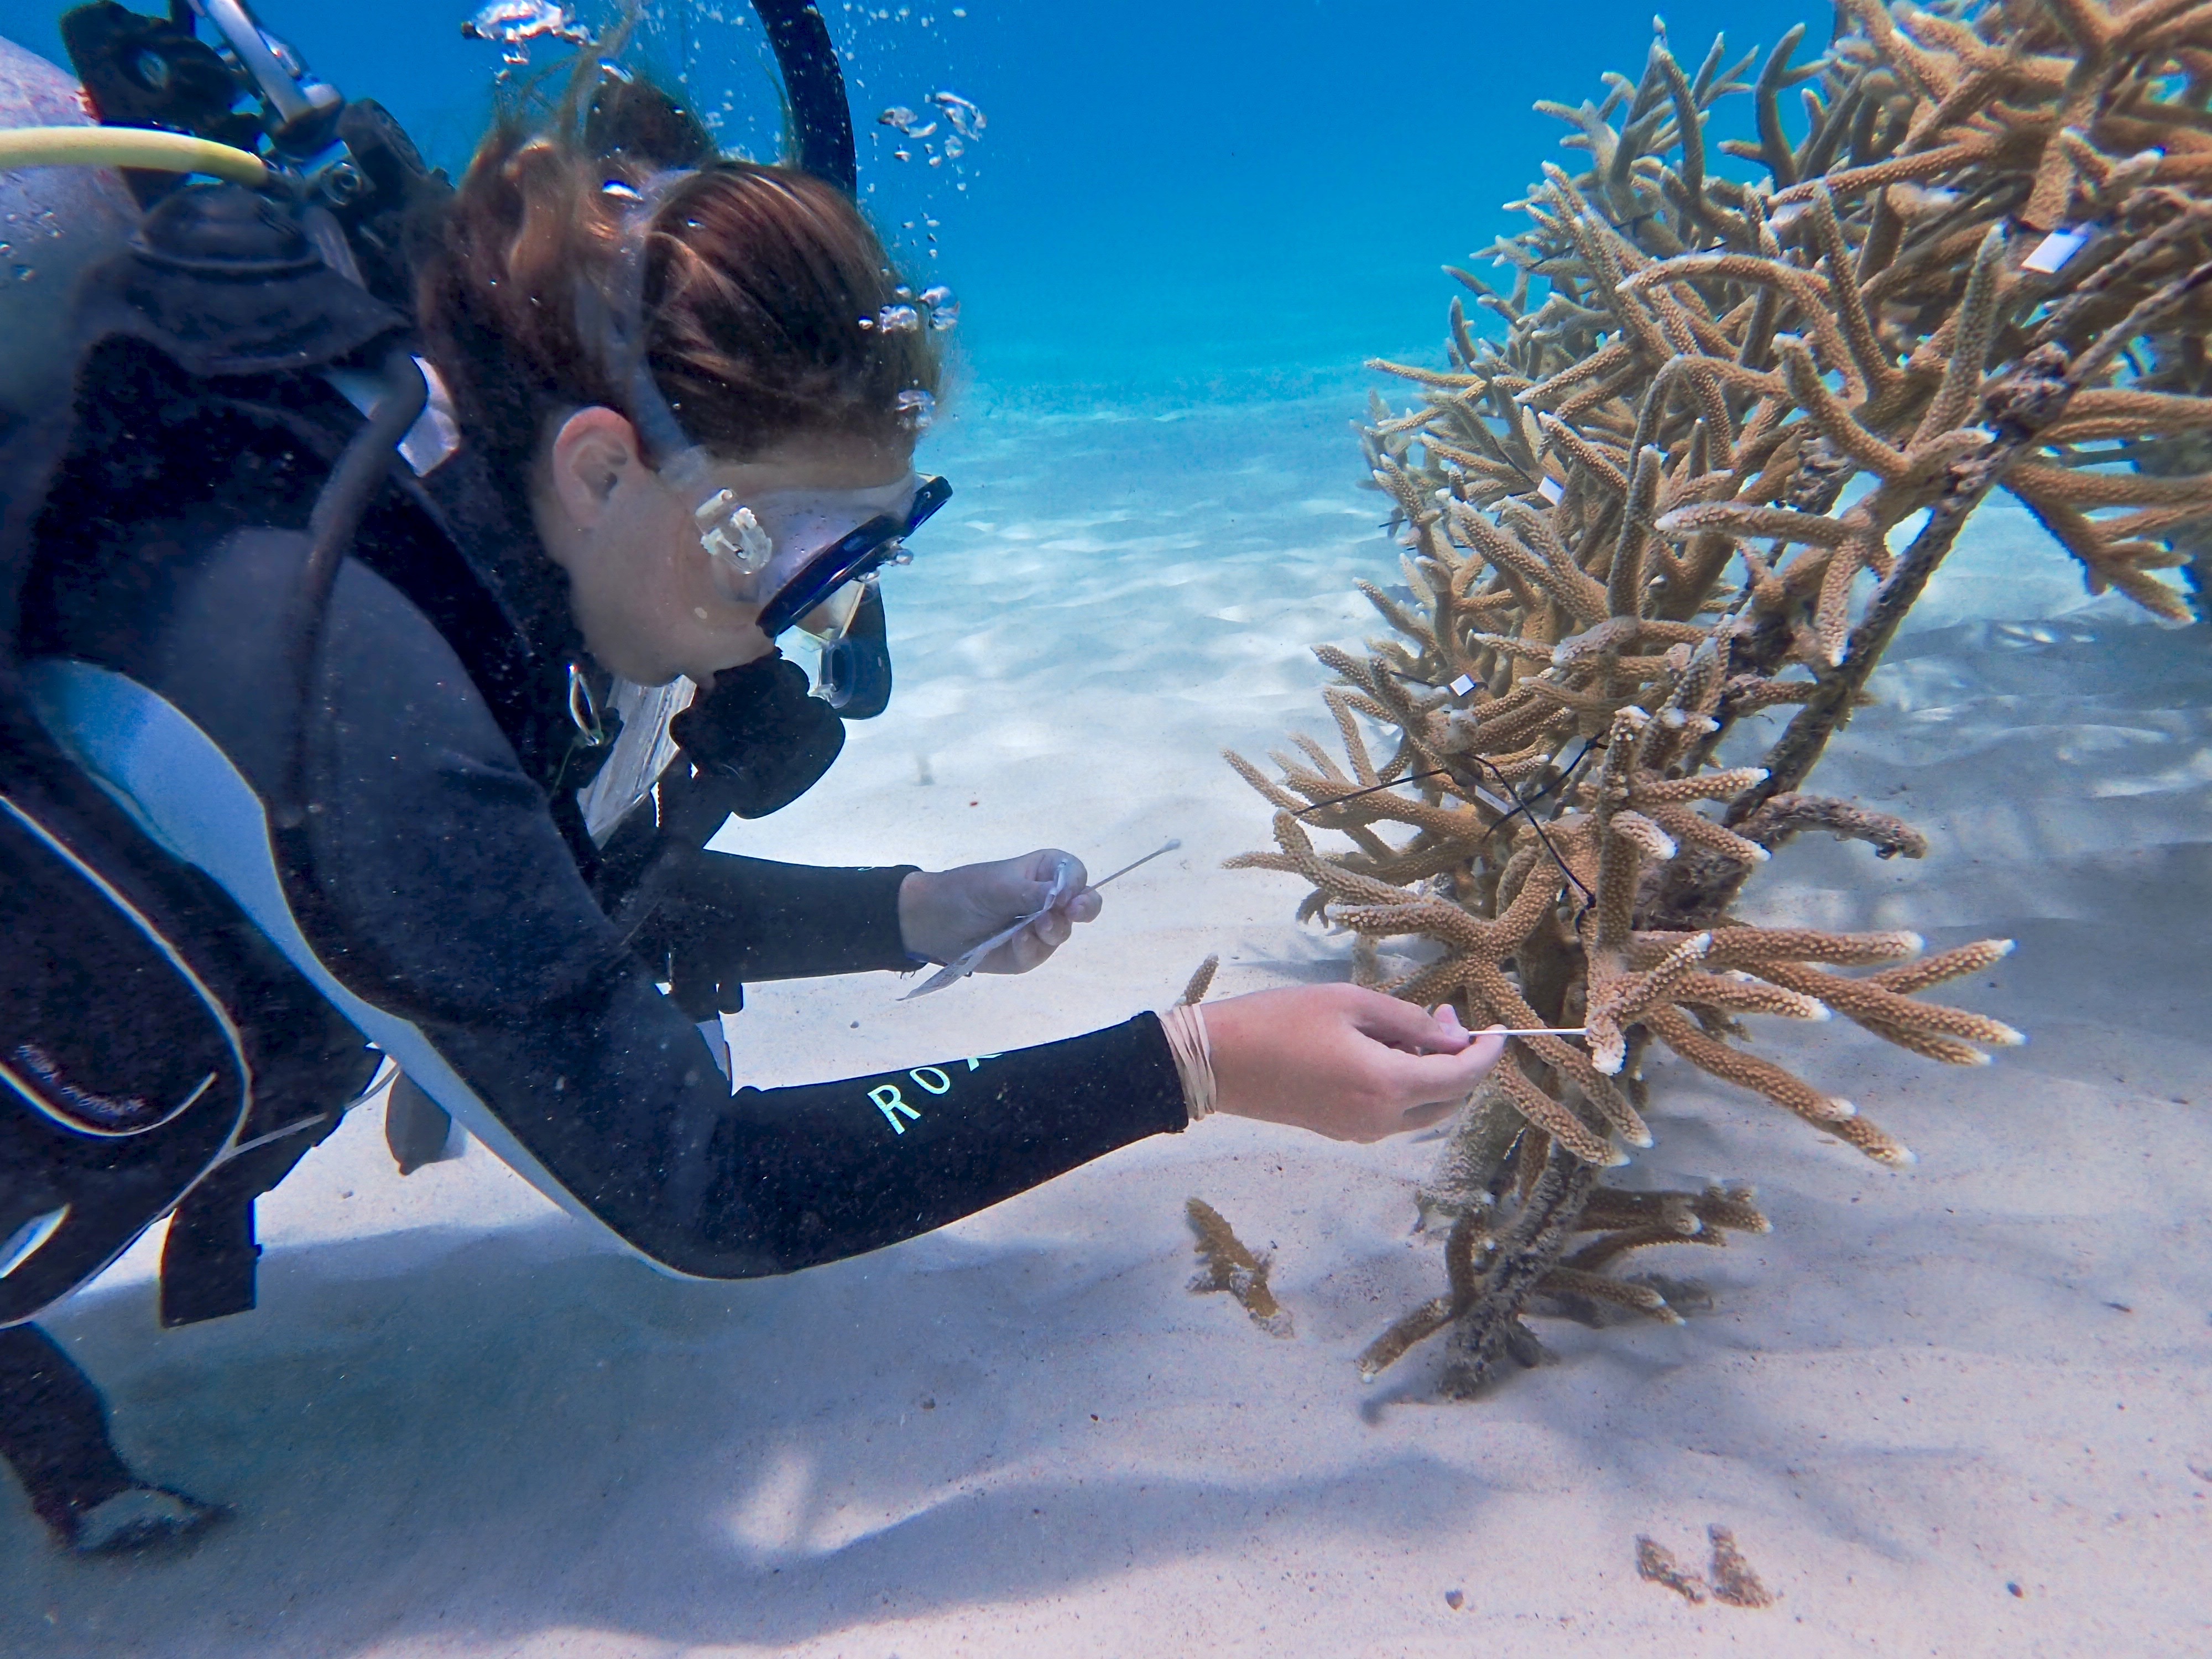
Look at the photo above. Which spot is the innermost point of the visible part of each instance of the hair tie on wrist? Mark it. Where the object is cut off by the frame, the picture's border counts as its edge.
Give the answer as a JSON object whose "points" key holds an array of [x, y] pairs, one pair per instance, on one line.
{"points": [[1193, 1057]]}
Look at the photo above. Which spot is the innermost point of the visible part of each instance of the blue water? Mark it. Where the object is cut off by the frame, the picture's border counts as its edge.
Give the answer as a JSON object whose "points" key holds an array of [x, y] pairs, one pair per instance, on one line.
{"points": [[1173, 202], [456, 1427]]}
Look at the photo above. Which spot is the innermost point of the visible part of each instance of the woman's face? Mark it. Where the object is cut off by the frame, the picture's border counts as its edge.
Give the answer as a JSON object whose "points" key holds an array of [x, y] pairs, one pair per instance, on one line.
{"points": [[641, 586]]}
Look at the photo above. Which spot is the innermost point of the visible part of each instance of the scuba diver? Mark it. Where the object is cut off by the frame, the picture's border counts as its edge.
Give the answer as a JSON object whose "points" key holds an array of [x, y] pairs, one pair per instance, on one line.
{"points": [[389, 625]]}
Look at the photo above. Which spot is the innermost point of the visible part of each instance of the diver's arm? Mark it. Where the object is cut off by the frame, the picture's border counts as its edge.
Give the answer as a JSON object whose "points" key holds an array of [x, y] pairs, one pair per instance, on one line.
{"points": [[829, 1169], [726, 920], [443, 890], [731, 920]]}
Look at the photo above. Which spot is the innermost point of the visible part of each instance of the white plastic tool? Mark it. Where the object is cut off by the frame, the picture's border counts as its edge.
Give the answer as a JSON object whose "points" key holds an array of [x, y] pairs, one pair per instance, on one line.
{"points": [[967, 963], [2053, 253]]}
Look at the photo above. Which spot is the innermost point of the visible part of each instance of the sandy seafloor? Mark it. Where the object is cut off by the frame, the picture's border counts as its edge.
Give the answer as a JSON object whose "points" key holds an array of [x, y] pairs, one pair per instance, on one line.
{"points": [[1961, 1409]]}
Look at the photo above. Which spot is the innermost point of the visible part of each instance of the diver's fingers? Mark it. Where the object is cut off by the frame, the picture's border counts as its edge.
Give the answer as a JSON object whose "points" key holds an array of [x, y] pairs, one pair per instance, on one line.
{"points": [[1028, 948], [1049, 864], [1422, 1117], [1084, 906], [1419, 1079], [1402, 1026]]}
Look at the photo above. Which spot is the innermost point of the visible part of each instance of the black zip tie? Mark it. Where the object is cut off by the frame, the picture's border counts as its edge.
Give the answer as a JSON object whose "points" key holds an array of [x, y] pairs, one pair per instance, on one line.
{"points": [[1339, 801], [1588, 898], [1522, 804]]}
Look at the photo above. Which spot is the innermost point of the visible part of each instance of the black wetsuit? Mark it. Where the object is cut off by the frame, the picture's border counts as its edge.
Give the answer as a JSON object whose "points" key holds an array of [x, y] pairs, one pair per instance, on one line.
{"points": [[441, 881]]}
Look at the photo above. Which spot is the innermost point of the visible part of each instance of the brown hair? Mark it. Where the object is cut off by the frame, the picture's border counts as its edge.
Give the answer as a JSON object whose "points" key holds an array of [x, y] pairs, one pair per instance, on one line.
{"points": [[761, 285]]}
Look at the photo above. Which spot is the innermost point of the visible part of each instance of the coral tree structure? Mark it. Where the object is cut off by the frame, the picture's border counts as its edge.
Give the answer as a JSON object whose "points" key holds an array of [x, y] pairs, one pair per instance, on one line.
{"points": [[1728, 430]]}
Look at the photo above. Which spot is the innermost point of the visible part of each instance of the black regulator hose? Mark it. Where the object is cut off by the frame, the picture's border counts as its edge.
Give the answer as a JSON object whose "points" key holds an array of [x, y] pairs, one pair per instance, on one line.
{"points": [[361, 471]]}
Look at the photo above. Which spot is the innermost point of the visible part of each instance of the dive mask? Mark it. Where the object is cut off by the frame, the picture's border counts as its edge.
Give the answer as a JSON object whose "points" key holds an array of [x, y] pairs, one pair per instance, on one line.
{"points": [[828, 544], [804, 553]]}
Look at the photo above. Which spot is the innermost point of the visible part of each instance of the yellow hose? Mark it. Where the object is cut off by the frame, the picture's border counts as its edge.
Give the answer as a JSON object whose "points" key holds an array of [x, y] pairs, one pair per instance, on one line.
{"points": [[126, 147]]}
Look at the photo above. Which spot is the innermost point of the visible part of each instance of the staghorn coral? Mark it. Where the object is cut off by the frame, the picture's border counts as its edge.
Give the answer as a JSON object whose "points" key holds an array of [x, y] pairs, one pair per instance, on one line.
{"points": [[1655, 1564], [1728, 430], [1202, 980], [1230, 1266], [1734, 1581]]}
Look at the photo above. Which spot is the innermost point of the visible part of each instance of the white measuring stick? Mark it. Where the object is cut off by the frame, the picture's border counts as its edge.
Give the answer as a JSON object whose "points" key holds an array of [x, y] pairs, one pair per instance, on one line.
{"points": [[966, 963], [1155, 853], [1537, 1031]]}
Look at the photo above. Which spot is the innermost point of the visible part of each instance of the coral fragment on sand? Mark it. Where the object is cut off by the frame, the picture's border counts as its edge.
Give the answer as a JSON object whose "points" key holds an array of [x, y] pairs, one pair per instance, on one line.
{"points": [[1733, 1580], [1229, 1266], [1655, 1564], [1201, 981]]}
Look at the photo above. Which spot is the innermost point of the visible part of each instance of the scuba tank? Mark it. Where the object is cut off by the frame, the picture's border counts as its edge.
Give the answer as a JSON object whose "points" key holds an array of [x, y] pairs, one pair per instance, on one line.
{"points": [[54, 221]]}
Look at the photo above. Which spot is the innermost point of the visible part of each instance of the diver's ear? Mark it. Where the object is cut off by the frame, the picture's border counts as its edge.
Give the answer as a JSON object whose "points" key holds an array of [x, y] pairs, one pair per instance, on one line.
{"points": [[593, 453]]}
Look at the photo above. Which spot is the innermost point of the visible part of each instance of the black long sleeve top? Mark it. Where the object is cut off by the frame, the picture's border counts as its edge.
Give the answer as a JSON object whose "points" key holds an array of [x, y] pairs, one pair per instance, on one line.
{"points": [[432, 894]]}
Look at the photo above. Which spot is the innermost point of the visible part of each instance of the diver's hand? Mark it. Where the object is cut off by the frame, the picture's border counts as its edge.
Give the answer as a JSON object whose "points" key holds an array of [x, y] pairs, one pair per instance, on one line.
{"points": [[1345, 1062], [943, 913]]}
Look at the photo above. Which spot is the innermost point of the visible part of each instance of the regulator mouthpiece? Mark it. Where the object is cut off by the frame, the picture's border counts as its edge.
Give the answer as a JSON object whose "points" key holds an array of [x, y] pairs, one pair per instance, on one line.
{"points": [[733, 537]]}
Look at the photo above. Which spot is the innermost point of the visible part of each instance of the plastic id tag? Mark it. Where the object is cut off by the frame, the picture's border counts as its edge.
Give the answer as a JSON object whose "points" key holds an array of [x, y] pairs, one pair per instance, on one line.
{"points": [[2048, 255]]}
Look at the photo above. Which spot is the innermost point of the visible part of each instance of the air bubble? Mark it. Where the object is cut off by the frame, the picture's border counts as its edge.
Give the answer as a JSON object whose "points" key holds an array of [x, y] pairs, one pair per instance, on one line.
{"points": [[943, 307], [901, 119], [899, 319], [967, 120], [514, 24], [916, 410]]}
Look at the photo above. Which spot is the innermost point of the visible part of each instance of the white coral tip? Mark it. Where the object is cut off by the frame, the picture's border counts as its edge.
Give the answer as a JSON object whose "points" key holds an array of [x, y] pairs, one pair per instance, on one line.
{"points": [[1615, 1159], [2011, 1039], [2007, 946], [1842, 1109], [1902, 1157], [1642, 1140], [1821, 1010]]}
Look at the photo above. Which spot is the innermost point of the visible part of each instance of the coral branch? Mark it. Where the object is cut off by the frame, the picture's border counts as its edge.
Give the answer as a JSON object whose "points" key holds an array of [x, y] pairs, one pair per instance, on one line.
{"points": [[1227, 1265]]}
